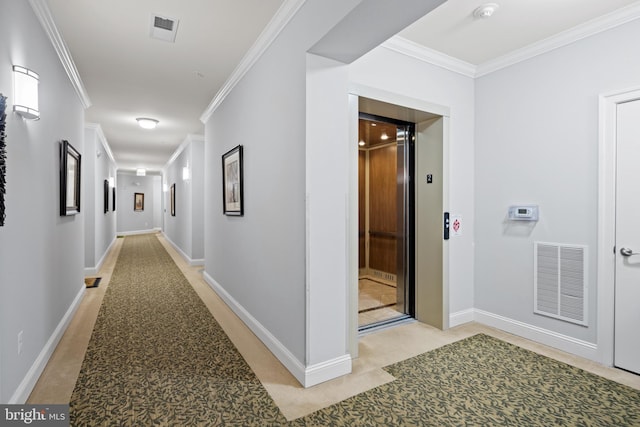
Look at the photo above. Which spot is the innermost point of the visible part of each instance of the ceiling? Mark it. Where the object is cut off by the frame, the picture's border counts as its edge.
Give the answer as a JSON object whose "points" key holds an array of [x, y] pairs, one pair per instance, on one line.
{"points": [[127, 74]]}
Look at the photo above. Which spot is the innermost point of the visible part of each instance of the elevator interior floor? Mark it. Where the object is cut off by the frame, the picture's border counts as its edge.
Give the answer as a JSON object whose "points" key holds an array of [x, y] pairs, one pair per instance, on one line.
{"points": [[376, 302]]}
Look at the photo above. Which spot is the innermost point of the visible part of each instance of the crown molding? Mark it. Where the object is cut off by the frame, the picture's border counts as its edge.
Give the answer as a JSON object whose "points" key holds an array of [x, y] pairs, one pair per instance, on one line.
{"points": [[188, 140], [572, 35], [103, 139], [590, 28], [43, 13], [282, 17], [433, 57]]}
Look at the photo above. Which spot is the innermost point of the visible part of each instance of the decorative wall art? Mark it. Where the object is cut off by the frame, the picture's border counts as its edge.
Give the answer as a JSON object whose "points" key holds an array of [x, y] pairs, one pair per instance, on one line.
{"points": [[105, 195], [3, 157], [138, 202], [232, 185], [173, 199], [70, 160], [113, 197]]}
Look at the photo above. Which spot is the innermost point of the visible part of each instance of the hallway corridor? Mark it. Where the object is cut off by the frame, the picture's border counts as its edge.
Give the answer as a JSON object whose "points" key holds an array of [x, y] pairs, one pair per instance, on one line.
{"points": [[377, 350]]}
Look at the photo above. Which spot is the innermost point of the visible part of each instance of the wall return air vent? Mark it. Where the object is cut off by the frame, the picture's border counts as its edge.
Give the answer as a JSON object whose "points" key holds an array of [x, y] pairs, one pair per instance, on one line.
{"points": [[560, 283], [163, 28]]}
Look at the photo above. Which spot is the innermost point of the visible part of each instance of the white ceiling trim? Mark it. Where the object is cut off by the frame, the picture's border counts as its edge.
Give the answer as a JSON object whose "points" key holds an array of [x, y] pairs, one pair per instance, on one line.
{"points": [[268, 35], [433, 57], [188, 140], [43, 13], [103, 140], [595, 26]]}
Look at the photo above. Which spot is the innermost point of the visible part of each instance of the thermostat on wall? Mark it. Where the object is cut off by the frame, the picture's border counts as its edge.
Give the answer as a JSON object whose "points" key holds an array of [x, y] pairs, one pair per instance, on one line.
{"points": [[523, 213]]}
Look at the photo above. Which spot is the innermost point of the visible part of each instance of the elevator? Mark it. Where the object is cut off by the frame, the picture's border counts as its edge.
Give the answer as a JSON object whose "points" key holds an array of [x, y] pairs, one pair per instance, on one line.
{"points": [[385, 220], [401, 253]]}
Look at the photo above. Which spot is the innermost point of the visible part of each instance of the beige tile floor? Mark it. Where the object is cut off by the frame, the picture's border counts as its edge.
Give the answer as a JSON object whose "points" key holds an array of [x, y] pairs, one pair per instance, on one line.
{"points": [[377, 350], [373, 302]]}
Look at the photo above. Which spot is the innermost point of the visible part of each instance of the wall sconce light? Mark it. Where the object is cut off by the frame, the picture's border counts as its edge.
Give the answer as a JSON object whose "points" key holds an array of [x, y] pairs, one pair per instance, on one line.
{"points": [[185, 173], [165, 187], [147, 123], [25, 91], [141, 172], [112, 182]]}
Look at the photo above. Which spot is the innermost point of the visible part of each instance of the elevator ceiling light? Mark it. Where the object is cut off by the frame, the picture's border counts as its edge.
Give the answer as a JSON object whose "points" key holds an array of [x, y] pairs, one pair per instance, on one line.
{"points": [[361, 143], [147, 123], [384, 136]]}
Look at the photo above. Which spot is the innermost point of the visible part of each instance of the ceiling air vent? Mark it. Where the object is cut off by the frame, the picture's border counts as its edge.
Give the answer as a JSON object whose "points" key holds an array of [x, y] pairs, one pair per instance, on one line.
{"points": [[163, 28]]}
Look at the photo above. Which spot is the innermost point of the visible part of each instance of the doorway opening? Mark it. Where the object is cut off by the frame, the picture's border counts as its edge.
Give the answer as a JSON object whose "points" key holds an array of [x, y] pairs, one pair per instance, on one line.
{"points": [[386, 279]]}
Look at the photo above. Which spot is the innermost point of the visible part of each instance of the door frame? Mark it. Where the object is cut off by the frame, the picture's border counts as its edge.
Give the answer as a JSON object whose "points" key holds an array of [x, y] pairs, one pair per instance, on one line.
{"points": [[607, 141], [355, 92]]}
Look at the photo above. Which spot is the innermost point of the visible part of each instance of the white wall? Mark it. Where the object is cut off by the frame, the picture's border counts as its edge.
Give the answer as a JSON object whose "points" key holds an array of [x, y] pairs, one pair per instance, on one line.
{"points": [[41, 253], [537, 142], [100, 227], [185, 230], [398, 76], [128, 220]]}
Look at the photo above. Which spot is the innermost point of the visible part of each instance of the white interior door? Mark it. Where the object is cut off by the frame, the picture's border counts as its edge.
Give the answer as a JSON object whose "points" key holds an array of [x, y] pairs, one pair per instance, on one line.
{"points": [[627, 283]]}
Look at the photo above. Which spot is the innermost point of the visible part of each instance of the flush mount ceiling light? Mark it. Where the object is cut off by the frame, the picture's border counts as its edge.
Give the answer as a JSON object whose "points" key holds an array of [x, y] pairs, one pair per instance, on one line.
{"points": [[147, 123], [141, 172], [25, 91], [485, 11]]}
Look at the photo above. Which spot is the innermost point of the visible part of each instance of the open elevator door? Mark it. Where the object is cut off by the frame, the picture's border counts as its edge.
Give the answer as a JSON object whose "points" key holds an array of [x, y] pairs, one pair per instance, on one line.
{"points": [[386, 282]]}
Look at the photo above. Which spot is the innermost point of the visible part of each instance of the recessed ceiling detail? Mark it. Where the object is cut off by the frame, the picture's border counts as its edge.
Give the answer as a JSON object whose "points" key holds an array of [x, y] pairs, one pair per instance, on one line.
{"points": [[164, 28]]}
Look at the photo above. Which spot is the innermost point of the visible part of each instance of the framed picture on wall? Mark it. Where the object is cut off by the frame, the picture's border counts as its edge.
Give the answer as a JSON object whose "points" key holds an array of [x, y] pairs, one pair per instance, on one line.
{"points": [[232, 185], [113, 198], [173, 199], [138, 202], [105, 186], [70, 160]]}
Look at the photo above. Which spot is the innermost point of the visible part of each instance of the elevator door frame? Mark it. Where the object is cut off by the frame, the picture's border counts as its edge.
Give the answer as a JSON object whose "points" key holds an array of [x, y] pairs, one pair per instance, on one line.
{"points": [[383, 103]]}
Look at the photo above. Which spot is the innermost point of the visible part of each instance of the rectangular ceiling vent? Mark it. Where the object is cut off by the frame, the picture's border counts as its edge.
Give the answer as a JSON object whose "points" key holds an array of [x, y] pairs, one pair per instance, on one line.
{"points": [[163, 28], [560, 282]]}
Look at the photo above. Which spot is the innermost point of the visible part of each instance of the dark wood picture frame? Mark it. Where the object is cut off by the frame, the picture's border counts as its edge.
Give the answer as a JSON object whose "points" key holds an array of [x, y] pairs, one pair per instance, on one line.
{"points": [[173, 199], [138, 202], [70, 176], [232, 182], [105, 195]]}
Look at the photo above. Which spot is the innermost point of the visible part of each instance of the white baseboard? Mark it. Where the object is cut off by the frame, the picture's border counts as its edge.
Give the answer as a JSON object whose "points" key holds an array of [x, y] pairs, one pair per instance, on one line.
{"points": [[183, 254], [534, 333], [307, 375], [461, 317], [25, 388], [91, 271]]}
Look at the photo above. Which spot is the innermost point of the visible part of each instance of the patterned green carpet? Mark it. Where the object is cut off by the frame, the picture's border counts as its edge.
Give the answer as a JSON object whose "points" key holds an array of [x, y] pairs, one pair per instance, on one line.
{"points": [[157, 357]]}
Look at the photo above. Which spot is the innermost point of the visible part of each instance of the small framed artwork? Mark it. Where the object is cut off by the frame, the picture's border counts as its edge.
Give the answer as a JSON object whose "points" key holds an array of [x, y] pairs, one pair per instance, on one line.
{"points": [[173, 199], [106, 195], [113, 198], [232, 185], [138, 202], [70, 160]]}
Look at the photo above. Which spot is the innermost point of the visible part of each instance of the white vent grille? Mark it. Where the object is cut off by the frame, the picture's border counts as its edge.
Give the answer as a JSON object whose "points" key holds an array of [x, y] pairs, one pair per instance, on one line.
{"points": [[163, 28], [560, 282]]}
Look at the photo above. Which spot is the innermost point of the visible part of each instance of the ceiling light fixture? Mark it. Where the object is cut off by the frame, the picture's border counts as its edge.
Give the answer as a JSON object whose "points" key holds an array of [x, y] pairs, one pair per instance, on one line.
{"points": [[147, 123], [361, 143], [384, 136], [485, 11], [141, 172]]}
